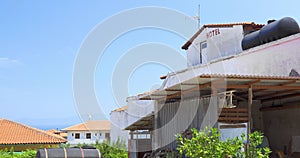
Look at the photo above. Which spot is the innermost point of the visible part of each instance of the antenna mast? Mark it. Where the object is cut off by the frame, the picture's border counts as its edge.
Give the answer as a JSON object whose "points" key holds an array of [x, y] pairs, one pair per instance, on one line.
{"points": [[198, 16]]}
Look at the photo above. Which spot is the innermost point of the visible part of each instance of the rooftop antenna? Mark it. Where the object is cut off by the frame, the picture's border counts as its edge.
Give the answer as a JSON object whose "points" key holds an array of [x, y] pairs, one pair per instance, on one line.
{"points": [[197, 17], [90, 117]]}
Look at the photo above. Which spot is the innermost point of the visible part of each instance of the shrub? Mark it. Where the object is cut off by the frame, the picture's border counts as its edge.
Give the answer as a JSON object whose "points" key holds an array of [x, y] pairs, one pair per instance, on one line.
{"points": [[206, 144]]}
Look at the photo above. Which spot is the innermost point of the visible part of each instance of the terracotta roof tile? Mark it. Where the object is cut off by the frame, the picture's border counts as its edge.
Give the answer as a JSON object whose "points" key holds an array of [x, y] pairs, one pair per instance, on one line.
{"points": [[93, 125], [58, 133], [16, 133]]}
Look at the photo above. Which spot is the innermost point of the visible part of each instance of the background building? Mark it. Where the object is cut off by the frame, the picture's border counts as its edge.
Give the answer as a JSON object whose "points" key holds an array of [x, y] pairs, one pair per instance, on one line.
{"points": [[89, 132]]}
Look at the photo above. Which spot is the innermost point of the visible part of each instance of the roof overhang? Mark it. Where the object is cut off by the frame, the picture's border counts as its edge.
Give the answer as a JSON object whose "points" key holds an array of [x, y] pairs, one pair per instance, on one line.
{"points": [[144, 123], [265, 88]]}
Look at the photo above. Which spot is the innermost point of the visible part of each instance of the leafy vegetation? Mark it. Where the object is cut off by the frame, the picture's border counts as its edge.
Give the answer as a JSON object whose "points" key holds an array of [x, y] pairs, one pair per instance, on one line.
{"points": [[11, 154], [206, 144], [116, 150]]}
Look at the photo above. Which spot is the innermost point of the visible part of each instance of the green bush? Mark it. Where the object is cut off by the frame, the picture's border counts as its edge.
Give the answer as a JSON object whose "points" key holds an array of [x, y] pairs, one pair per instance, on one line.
{"points": [[116, 150], [206, 144], [11, 154]]}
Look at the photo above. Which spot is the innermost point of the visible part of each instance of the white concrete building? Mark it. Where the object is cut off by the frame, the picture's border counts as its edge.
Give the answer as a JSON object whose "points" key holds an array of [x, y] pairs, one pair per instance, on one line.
{"points": [[89, 132], [119, 121], [217, 62], [126, 115], [215, 41]]}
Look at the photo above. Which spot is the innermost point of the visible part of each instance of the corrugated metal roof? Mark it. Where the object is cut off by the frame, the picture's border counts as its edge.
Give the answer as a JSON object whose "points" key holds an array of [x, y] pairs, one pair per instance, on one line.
{"points": [[268, 87], [16, 133], [189, 42]]}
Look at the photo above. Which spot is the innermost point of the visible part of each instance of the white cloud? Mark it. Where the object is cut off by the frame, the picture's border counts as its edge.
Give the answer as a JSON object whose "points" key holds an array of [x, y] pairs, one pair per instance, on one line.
{"points": [[6, 62]]}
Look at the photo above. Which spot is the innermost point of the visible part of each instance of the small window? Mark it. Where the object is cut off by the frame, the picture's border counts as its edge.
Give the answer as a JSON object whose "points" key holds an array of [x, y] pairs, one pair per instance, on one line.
{"points": [[72, 134], [95, 134], [107, 135], [203, 45], [88, 135], [77, 135], [203, 52]]}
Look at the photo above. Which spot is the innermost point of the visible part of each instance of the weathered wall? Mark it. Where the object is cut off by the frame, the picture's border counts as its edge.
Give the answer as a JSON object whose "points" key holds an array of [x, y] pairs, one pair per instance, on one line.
{"points": [[280, 126], [119, 121], [276, 58], [174, 118], [138, 109], [221, 42]]}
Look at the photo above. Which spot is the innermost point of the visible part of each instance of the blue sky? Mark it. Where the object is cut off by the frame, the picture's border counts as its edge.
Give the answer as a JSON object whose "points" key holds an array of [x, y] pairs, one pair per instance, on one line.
{"points": [[39, 42]]}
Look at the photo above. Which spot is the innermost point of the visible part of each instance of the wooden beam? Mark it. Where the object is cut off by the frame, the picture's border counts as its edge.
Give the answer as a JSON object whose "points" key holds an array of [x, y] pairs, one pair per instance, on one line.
{"points": [[289, 82], [282, 84], [197, 88], [240, 98], [270, 87], [271, 95], [254, 82], [250, 97], [274, 108], [282, 97]]}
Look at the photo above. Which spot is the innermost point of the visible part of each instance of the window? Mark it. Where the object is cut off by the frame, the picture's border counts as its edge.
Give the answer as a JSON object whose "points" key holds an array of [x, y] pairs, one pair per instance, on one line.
{"points": [[107, 135], [72, 134], [203, 52], [88, 135], [77, 135]]}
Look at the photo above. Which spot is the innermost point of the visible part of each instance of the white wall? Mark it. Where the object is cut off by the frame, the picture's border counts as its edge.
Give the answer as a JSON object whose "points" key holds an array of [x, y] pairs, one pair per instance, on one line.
{"points": [[221, 42], [119, 121], [276, 58], [138, 108], [95, 136], [122, 119]]}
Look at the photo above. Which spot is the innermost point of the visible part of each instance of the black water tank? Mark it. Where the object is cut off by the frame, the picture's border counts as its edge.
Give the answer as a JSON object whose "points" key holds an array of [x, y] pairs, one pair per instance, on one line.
{"points": [[278, 29], [251, 40], [67, 153], [273, 31]]}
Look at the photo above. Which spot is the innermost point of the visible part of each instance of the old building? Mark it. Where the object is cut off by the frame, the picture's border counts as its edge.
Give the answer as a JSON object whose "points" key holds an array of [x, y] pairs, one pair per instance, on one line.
{"points": [[241, 77]]}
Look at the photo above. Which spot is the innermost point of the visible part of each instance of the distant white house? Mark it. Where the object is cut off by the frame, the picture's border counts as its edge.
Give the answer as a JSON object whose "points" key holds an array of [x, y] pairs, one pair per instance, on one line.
{"points": [[88, 132]]}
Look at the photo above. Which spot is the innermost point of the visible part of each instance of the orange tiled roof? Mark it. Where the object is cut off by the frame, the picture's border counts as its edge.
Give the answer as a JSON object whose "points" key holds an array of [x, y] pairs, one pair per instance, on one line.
{"points": [[16, 133], [58, 133], [93, 125]]}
